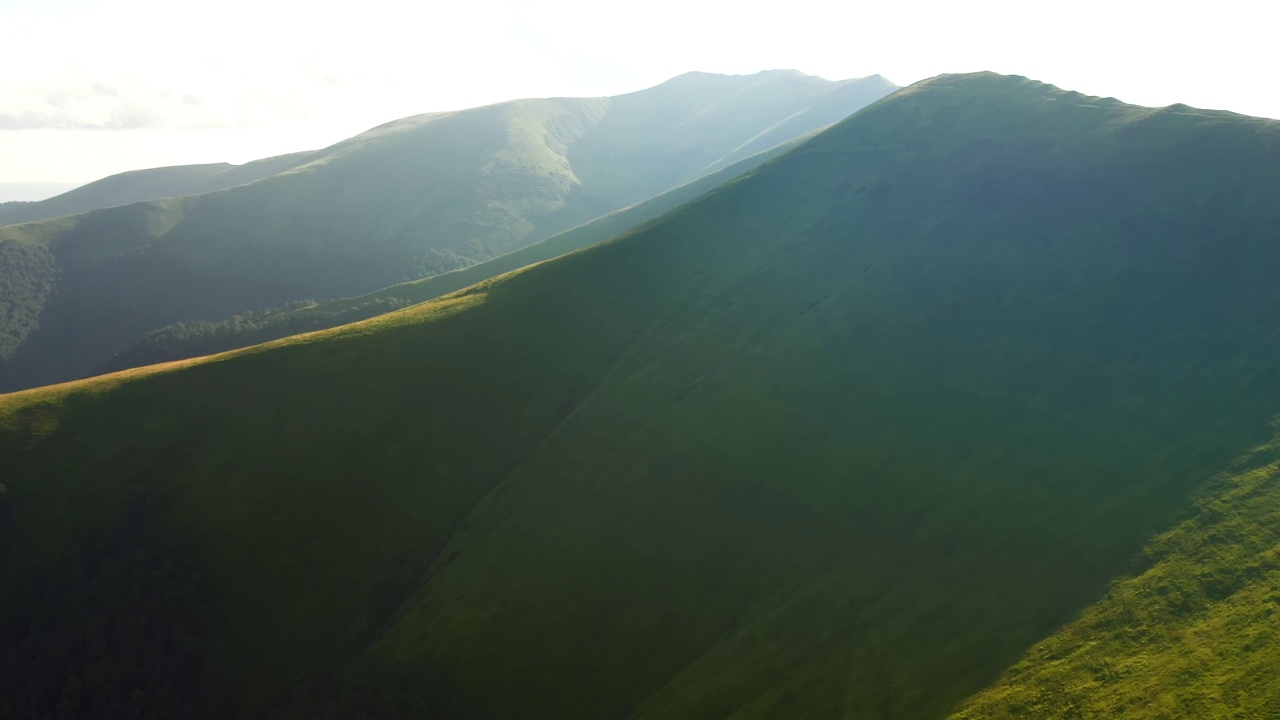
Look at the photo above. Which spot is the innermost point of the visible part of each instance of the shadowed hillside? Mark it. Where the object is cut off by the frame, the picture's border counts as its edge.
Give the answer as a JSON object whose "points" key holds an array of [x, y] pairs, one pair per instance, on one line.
{"points": [[845, 437], [412, 198]]}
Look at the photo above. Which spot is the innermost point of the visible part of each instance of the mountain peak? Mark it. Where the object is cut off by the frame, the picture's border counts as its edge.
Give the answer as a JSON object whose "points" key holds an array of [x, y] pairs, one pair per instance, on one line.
{"points": [[991, 84], [700, 76], [978, 80], [784, 72]]}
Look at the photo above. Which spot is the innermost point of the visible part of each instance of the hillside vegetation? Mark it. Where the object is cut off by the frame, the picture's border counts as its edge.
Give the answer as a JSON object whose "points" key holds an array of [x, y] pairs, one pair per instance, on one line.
{"points": [[412, 198], [1192, 634], [185, 340], [851, 436]]}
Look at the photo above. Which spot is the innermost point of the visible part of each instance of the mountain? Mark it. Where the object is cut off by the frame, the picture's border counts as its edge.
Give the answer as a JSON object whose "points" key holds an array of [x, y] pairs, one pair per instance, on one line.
{"points": [[901, 423], [152, 184], [186, 340], [29, 192], [412, 198]]}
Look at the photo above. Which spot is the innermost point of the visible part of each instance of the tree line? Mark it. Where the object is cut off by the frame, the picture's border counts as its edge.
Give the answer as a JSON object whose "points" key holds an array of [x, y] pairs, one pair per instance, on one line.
{"points": [[193, 339]]}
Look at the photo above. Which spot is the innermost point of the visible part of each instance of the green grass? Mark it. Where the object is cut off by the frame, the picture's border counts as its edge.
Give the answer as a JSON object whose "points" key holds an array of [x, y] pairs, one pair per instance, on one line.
{"points": [[412, 198], [846, 437], [1191, 634]]}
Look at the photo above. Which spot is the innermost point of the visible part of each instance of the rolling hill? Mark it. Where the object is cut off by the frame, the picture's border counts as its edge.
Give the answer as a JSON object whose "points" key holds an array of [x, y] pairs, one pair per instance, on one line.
{"points": [[409, 199], [151, 184], [15, 193], [903, 423]]}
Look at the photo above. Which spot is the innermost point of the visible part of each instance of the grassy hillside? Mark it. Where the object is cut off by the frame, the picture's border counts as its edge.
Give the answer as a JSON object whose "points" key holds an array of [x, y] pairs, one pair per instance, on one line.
{"points": [[151, 184], [184, 340], [843, 438], [1191, 634], [412, 198]]}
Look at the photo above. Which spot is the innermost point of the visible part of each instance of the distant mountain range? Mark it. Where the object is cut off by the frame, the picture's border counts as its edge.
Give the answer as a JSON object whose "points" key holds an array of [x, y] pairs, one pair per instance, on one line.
{"points": [[963, 407], [409, 199], [151, 184], [13, 193]]}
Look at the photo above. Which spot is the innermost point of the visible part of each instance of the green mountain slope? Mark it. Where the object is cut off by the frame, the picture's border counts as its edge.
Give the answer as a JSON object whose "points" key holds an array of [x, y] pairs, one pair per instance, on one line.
{"points": [[412, 198], [1191, 634], [843, 438], [150, 184], [185, 340]]}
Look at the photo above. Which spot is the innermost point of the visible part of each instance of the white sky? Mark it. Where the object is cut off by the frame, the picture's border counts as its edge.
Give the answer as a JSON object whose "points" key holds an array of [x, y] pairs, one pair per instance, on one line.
{"points": [[93, 87]]}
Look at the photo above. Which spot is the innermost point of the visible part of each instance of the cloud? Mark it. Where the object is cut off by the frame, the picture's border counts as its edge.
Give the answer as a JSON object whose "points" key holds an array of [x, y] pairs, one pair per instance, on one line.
{"points": [[129, 64], [134, 64], [152, 64], [98, 103], [96, 106]]}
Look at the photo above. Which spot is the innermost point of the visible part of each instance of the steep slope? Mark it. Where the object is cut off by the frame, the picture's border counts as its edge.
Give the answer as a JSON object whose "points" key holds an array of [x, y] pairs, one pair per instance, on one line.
{"points": [[151, 184], [1191, 634], [844, 437], [185, 340], [412, 198]]}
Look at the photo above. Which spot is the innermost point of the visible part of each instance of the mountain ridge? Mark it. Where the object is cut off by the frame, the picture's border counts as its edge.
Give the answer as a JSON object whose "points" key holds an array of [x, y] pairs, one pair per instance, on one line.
{"points": [[408, 199]]}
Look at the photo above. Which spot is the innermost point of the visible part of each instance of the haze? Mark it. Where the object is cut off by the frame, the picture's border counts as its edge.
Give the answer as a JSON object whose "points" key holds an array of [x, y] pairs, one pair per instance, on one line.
{"points": [[92, 88]]}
